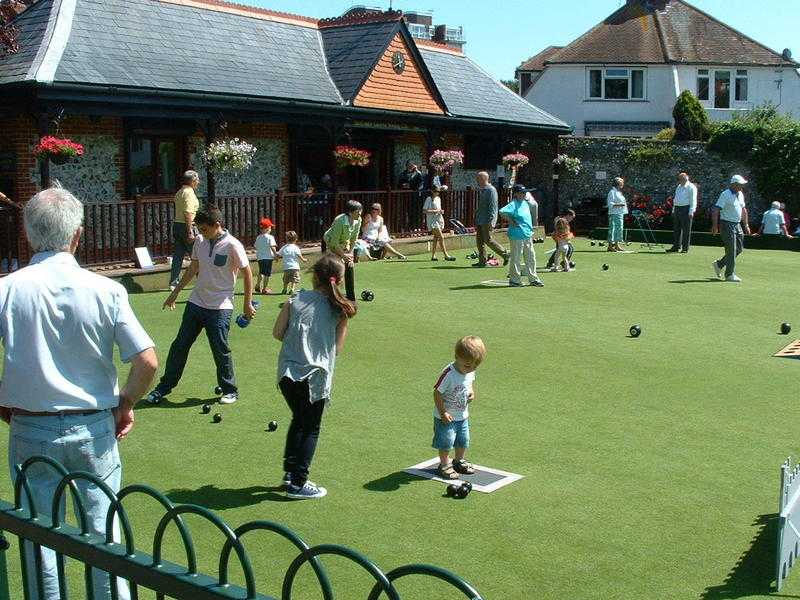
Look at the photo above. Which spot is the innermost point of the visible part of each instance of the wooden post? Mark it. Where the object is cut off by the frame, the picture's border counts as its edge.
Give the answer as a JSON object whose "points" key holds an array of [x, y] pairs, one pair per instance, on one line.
{"points": [[138, 209], [280, 213], [210, 132], [44, 163], [554, 202]]}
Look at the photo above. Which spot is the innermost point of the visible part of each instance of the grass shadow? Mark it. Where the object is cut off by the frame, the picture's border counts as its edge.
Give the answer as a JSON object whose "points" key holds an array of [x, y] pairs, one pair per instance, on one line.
{"points": [[481, 286], [216, 498], [391, 482], [187, 403], [754, 572], [707, 280]]}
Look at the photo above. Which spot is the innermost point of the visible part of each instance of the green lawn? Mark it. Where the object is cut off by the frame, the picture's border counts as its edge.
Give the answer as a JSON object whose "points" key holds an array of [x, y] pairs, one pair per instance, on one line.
{"points": [[650, 465]]}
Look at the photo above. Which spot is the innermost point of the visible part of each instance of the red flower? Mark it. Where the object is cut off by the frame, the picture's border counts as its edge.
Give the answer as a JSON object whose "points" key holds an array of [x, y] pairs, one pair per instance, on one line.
{"points": [[53, 146]]}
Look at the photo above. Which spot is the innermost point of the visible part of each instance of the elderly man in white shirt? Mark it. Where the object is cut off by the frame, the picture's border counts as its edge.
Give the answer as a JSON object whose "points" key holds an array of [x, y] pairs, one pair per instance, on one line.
{"points": [[684, 205], [59, 324], [729, 218], [773, 222]]}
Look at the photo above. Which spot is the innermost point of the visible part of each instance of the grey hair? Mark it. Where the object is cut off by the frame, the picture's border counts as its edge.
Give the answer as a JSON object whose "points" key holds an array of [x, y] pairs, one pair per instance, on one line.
{"points": [[51, 219], [776, 204], [190, 176], [618, 181]]}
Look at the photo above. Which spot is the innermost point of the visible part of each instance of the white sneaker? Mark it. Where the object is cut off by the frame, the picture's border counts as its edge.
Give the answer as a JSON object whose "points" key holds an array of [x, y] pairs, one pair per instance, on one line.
{"points": [[172, 287], [717, 269], [229, 398], [307, 492], [733, 279]]}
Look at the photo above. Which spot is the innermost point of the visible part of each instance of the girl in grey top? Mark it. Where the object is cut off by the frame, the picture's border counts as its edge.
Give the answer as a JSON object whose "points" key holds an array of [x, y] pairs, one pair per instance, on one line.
{"points": [[312, 327]]}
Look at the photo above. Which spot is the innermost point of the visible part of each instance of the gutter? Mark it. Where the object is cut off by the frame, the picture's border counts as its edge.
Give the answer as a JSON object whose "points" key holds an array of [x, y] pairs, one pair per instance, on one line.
{"points": [[100, 93]]}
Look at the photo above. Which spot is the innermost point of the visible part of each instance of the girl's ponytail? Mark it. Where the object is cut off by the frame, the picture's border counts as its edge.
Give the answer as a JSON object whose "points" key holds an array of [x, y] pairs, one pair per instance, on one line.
{"points": [[329, 270]]}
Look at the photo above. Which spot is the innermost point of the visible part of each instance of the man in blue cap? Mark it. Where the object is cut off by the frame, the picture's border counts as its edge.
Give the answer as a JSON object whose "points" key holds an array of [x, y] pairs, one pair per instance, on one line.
{"points": [[520, 231]]}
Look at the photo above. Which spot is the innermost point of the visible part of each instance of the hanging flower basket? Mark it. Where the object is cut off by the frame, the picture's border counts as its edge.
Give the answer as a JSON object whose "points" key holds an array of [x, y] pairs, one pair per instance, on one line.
{"points": [[515, 160], [229, 156], [569, 164], [443, 161], [350, 156], [57, 150]]}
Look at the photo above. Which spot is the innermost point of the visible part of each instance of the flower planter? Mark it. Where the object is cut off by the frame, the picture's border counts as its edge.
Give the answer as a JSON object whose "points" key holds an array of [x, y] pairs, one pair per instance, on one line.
{"points": [[57, 150]]}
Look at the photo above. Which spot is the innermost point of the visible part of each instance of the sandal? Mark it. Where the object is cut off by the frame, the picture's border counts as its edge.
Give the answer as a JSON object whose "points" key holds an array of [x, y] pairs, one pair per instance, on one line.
{"points": [[446, 471], [463, 467]]}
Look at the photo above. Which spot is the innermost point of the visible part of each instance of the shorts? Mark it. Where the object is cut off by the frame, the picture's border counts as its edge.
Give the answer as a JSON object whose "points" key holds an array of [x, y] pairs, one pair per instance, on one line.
{"points": [[265, 266], [447, 436], [291, 276]]}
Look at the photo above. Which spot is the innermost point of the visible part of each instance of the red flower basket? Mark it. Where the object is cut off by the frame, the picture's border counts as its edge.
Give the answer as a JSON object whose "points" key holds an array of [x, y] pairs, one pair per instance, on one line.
{"points": [[349, 156], [57, 150]]}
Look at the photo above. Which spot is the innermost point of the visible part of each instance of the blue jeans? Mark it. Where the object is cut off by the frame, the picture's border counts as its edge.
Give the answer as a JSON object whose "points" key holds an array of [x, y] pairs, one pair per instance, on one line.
{"points": [[217, 324], [615, 224], [80, 443], [447, 436], [180, 248]]}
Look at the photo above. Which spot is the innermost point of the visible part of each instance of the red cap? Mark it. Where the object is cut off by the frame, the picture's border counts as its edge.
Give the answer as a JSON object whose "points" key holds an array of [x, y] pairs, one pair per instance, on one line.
{"points": [[266, 222]]}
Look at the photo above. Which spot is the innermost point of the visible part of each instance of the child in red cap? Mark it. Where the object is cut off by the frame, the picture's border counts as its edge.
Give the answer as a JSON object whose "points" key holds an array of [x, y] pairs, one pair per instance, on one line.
{"points": [[265, 253]]}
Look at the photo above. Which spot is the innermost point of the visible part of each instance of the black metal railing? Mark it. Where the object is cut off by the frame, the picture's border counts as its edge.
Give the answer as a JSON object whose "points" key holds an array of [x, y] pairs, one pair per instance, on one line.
{"points": [[151, 571]]}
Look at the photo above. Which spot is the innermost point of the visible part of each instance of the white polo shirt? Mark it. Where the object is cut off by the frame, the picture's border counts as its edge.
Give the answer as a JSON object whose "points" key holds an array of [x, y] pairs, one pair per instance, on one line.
{"points": [[686, 195], [220, 261], [773, 221], [616, 197], [59, 324], [730, 206]]}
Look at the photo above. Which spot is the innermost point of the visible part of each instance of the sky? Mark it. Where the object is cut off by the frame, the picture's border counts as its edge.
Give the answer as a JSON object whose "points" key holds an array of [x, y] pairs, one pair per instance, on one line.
{"points": [[502, 34]]}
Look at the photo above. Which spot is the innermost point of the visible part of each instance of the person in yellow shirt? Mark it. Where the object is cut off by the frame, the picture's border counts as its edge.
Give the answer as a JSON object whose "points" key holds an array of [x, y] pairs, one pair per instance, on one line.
{"points": [[186, 207]]}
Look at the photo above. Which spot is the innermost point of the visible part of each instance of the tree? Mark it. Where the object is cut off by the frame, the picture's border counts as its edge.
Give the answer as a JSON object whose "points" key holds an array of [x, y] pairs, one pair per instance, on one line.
{"points": [[691, 119], [8, 33], [511, 84]]}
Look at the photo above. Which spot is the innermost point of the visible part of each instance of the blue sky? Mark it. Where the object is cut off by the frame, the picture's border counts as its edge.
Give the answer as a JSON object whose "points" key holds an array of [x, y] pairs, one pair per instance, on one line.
{"points": [[501, 34]]}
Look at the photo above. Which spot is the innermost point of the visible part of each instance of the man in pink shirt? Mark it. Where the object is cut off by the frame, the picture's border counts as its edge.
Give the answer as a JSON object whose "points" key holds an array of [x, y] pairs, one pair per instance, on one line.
{"points": [[217, 257]]}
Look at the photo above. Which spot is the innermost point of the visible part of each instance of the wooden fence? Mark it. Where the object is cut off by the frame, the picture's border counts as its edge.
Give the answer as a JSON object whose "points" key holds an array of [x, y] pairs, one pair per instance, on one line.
{"points": [[113, 230]]}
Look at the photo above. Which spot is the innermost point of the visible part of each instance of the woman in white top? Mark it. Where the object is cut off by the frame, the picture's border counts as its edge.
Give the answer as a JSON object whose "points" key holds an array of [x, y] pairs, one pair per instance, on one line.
{"points": [[374, 232], [435, 218], [617, 209]]}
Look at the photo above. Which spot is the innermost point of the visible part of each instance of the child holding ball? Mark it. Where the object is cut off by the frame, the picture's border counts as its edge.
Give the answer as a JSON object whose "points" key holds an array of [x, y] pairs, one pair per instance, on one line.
{"points": [[453, 391], [312, 327]]}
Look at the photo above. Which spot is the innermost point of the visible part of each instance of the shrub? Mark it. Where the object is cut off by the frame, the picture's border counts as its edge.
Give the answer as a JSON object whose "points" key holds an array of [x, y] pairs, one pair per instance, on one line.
{"points": [[649, 156], [666, 135], [769, 143], [691, 120]]}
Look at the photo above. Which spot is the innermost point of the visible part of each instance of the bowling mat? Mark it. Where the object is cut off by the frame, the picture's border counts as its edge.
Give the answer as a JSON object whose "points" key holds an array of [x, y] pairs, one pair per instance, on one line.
{"points": [[790, 351], [485, 479]]}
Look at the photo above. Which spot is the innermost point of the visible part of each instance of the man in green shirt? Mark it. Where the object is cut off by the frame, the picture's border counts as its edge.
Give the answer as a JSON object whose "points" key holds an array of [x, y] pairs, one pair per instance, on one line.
{"points": [[340, 239], [186, 207]]}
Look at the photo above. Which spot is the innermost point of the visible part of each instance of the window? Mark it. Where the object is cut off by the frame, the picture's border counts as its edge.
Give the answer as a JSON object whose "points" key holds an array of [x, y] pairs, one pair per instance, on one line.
{"points": [[741, 85], [728, 87], [722, 89], [702, 84], [154, 164], [595, 83], [616, 84]]}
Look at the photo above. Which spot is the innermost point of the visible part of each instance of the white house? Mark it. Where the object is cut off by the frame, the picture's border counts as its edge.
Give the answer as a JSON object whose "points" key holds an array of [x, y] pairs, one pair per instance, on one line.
{"points": [[623, 76]]}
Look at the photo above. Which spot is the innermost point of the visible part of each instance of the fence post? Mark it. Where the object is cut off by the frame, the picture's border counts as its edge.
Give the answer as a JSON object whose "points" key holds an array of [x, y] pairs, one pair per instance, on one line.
{"points": [[138, 209], [280, 213]]}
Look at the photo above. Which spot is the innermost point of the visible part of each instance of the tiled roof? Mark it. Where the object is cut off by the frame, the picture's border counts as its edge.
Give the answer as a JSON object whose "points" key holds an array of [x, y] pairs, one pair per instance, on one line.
{"points": [[665, 32], [152, 44], [468, 91], [536, 62], [34, 26], [353, 50]]}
